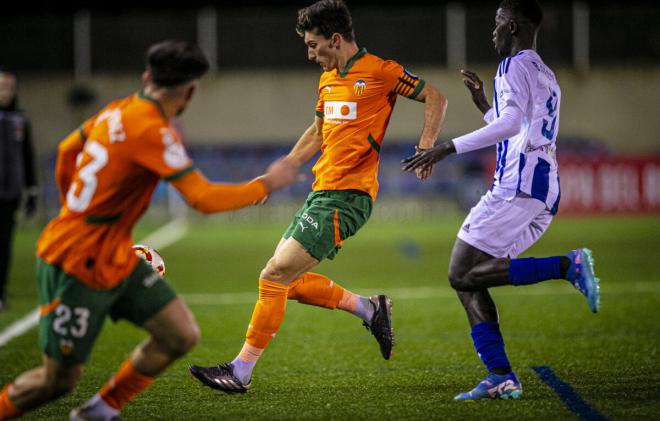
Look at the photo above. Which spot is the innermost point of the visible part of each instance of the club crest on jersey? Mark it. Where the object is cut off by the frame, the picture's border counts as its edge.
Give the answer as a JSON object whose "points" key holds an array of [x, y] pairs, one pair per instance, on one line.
{"points": [[359, 87], [66, 346]]}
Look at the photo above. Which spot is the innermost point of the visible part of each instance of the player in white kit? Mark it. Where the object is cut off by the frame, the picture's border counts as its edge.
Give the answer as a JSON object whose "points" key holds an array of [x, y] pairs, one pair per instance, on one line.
{"points": [[519, 206]]}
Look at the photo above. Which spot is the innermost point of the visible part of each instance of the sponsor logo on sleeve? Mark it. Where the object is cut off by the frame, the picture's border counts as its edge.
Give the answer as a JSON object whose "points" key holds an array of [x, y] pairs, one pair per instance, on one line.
{"points": [[175, 154]]}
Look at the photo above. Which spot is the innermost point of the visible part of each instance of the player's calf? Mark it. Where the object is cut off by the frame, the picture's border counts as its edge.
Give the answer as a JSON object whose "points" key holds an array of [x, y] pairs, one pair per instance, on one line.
{"points": [[40, 385], [174, 332]]}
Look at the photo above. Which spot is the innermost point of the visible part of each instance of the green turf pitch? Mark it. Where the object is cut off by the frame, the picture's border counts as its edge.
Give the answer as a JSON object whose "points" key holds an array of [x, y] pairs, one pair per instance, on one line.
{"points": [[324, 365]]}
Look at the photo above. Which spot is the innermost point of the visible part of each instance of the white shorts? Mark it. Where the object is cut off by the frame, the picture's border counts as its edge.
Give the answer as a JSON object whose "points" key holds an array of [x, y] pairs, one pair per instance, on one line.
{"points": [[505, 227]]}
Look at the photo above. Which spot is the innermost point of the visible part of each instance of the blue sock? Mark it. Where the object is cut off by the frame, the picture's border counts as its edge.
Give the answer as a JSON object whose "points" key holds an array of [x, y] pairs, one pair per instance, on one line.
{"points": [[532, 270], [489, 345]]}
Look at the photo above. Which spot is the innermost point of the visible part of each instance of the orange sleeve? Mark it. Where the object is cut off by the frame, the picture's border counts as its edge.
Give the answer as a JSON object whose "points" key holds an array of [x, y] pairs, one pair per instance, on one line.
{"points": [[210, 197], [400, 80], [319, 109], [320, 112], [67, 154], [67, 151], [161, 151]]}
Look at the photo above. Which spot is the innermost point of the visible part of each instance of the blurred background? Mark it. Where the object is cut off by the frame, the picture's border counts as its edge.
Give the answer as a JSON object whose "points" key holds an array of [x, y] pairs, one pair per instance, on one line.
{"points": [[72, 58]]}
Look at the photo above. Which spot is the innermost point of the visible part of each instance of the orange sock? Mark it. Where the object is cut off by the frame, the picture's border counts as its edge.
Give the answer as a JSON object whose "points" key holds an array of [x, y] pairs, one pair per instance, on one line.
{"points": [[124, 386], [349, 301], [268, 313], [250, 353], [7, 408], [316, 290]]}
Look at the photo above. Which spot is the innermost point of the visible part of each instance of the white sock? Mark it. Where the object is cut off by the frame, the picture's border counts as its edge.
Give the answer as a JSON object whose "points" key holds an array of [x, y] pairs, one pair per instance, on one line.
{"points": [[97, 407], [364, 309], [243, 369]]}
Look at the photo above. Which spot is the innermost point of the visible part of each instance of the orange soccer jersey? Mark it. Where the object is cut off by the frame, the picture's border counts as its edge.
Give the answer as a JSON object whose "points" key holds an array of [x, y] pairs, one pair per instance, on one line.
{"points": [[107, 172], [356, 106]]}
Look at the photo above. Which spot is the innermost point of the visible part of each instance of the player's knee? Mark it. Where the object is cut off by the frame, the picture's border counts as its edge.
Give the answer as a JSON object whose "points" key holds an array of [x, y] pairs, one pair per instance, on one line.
{"points": [[184, 340], [276, 271], [459, 282]]}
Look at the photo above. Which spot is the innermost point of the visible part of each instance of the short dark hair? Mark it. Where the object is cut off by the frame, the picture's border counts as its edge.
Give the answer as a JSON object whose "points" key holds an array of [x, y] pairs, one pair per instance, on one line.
{"points": [[174, 62], [326, 17], [527, 9]]}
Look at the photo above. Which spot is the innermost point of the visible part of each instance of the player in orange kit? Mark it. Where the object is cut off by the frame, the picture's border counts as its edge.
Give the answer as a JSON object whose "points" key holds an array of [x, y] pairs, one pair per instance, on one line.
{"points": [[357, 93], [107, 172]]}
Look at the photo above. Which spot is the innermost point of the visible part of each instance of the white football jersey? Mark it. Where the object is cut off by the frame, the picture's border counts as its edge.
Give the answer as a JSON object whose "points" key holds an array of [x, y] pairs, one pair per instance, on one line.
{"points": [[526, 162]]}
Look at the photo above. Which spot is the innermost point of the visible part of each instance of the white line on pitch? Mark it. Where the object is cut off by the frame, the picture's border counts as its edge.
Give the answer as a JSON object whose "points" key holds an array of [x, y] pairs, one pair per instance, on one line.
{"points": [[422, 293], [19, 327], [166, 235], [163, 237]]}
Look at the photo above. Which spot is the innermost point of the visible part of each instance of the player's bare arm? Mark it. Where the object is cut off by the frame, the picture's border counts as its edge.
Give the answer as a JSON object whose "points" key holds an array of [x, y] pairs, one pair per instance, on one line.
{"points": [[476, 88], [308, 144], [435, 108], [280, 174]]}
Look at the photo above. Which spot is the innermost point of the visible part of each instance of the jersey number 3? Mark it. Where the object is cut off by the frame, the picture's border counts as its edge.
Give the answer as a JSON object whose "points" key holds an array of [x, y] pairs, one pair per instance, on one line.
{"points": [[87, 175]]}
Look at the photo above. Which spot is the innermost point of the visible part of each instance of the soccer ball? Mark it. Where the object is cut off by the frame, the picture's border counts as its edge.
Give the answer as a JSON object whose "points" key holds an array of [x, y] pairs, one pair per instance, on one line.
{"points": [[151, 256]]}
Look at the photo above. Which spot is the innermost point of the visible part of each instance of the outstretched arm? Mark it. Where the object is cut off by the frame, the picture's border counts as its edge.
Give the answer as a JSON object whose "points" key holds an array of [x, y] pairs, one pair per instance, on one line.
{"points": [[308, 144], [506, 125], [435, 108], [424, 159], [209, 197]]}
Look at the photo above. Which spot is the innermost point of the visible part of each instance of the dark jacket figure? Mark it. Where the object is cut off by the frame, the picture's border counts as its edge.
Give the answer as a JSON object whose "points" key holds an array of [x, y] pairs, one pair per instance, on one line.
{"points": [[17, 172]]}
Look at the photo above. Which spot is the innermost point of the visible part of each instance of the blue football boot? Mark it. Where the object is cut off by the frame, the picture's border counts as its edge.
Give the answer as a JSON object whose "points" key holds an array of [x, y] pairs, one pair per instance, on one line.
{"points": [[495, 386], [581, 275]]}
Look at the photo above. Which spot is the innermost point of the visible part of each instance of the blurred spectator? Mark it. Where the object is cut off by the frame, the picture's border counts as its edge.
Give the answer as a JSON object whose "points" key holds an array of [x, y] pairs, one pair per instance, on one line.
{"points": [[17, 172]]}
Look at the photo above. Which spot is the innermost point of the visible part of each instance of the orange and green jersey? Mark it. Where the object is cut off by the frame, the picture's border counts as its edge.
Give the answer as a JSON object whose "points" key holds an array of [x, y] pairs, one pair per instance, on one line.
{"points": [[356, 105], [107, 172]]}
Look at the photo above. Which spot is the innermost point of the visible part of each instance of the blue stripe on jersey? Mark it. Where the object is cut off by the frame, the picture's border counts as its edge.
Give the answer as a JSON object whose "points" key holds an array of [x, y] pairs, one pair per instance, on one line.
{"points": [[541, 180], [555, 207], [508, 63], [521, 165], [505, 151], [497, 107]]}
